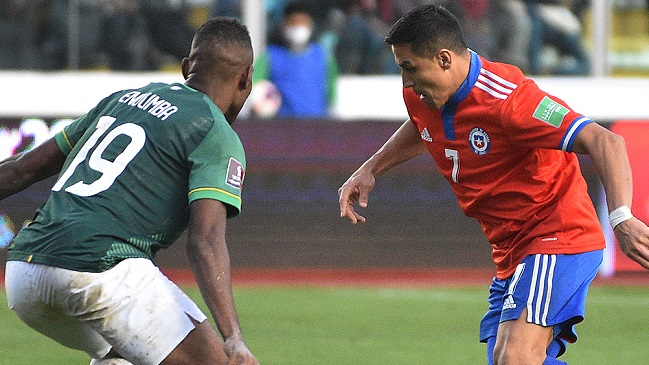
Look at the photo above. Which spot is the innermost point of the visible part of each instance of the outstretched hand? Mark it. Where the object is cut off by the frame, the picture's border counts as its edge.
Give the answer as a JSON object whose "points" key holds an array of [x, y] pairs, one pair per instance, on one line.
{"points": [[355, 190], [633, 237], [238, 353]]}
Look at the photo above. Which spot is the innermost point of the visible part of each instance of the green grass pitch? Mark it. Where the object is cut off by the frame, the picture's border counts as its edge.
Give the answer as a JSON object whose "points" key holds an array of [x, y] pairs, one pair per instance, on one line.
{"points": [[346, 325]]}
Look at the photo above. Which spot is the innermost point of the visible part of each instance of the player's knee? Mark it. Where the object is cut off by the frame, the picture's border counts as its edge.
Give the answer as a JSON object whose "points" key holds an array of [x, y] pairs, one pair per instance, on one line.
{"points": [[201, 346]]}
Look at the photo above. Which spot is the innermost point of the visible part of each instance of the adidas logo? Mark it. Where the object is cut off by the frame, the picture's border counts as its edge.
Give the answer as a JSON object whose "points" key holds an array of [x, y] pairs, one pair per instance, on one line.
{"points": [[509, 303], [425, 135]]}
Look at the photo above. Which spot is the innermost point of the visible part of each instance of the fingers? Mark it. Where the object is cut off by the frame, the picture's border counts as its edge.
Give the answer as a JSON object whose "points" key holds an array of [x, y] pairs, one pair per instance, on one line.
{"points": [[349, 213], [359, 218], [352, 215], [343, 201], [347, 198], [355, 190], [633, 238], [640, 254], [635, 253], [640, 258], [363, 197]]}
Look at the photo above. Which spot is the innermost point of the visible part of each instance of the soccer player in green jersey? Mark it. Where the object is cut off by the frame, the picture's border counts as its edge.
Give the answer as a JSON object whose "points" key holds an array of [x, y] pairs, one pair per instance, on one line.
{"points": [[135, 172]]}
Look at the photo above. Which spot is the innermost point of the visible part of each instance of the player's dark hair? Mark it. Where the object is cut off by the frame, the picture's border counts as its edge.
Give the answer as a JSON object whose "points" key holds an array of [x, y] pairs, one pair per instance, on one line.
{"points": [[215, 39], [427, 29], [223, 31]]}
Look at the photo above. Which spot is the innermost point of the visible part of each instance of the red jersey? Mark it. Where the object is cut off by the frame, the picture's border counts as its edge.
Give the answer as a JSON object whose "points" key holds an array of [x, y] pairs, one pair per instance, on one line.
{"points": [[505, 147]]}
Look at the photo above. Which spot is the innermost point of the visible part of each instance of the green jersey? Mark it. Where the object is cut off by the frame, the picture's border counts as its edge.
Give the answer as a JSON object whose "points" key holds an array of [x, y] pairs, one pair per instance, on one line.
{"points": [[134, 163]]}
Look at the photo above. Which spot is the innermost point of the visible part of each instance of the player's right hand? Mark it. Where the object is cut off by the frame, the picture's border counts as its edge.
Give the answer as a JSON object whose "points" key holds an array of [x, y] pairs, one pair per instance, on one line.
{"points": [[355, 190], [633, 237]]}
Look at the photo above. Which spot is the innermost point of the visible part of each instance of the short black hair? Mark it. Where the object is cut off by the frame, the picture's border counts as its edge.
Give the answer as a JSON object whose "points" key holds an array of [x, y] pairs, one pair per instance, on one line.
{"points": [[223, 31], [427, 29], [296, 7], [216, 39]]}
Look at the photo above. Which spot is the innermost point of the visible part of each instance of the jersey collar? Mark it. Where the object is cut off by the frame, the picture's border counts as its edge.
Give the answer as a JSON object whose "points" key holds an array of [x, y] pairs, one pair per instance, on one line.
{"points": [[472, 77], [448, 110]]}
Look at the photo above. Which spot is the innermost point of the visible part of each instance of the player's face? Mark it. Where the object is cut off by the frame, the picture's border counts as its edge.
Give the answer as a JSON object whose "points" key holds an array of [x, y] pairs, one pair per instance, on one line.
{"points": [[428, 77]]}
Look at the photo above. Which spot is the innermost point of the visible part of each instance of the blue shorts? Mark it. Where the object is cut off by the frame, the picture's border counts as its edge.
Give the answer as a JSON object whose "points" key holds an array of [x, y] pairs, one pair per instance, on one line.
{"points": [[553, 288]]}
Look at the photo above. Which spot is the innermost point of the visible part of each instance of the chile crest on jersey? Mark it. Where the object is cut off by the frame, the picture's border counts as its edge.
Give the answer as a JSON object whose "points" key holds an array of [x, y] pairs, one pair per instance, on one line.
{"points": [[479, 141]]}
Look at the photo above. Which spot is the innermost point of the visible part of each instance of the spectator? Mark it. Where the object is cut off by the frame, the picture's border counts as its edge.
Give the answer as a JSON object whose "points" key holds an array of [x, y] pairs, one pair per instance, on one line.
{"points": [[33, 34], [334, 26], [53, 42], [124, 38], [477, 25], [361, 49], [302, 70], [497, 29], [555, 25], [511, 26], [144, 34], [275, 12]]}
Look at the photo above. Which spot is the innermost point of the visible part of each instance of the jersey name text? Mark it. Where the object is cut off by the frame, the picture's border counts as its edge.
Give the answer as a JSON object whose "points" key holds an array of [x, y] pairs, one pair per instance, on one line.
{"points": [[150, 103]]}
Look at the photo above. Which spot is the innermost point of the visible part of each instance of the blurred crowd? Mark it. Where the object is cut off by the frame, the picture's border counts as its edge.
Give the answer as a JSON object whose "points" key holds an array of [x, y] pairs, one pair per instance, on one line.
{"points": [[539, 36]]}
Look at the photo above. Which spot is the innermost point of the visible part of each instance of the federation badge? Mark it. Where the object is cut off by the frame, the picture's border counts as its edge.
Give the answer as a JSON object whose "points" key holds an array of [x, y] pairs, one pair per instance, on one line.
{"points": [[479, 141], [235, 174]]}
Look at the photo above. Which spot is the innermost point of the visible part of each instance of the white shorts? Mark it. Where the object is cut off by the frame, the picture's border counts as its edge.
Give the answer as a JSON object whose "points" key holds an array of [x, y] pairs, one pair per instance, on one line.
{"points": [[132, 308]]}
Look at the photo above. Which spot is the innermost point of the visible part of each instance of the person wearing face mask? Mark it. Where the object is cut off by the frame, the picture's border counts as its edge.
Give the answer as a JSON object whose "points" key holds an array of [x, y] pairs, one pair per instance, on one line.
{"points": [[302, 70]]}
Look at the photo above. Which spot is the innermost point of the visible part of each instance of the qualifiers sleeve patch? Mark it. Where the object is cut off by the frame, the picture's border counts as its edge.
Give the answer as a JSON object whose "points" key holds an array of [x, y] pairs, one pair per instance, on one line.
{"points": [[235, 174], [551, 112]]}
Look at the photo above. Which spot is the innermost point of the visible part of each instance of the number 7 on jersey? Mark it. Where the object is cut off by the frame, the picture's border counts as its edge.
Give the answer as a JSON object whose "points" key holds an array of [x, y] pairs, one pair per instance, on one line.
{"points": [[455, 156]]}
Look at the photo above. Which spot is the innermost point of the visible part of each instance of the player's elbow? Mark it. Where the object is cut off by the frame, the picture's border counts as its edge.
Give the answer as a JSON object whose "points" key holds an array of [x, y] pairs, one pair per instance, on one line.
{"points": [[599, 140], [610, 144], [204, 247], [617, 142]]}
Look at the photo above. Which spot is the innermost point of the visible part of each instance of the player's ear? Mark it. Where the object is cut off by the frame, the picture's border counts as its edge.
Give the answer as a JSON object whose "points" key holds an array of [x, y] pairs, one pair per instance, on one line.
{"points": [[245, 79], [185, 67], [444, 58]]}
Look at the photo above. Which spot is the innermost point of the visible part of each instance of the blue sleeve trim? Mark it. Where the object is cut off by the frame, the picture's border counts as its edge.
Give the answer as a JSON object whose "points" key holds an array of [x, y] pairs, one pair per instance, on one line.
{"points": [[571, 134]]}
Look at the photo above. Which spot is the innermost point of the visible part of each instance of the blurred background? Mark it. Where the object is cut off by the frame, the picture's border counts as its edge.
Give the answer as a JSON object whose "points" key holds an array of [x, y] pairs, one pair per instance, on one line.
{"points": [[147, 35], [60, 57]]}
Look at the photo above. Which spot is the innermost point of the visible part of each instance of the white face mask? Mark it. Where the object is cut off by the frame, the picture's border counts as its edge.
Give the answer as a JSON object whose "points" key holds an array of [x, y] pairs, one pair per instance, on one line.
{"points": [[297, 35]]}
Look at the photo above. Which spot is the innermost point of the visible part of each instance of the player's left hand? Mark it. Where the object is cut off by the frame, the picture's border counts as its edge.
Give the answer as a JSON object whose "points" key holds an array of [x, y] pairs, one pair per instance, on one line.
{"points": [[633, 237], [238, 353]]}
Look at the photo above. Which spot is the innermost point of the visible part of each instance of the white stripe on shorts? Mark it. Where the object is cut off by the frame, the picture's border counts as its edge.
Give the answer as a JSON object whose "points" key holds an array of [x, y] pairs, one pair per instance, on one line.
{"points": [[538, 301]]}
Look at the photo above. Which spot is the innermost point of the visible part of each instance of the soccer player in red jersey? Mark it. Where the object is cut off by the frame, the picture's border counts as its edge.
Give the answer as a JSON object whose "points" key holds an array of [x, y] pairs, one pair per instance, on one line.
{"points": [[508, 149]]}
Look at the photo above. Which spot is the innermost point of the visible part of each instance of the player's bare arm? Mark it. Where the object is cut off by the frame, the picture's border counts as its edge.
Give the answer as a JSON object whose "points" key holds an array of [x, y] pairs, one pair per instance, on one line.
{"points": [[404, 144], [607, 150], [208, 256], [20, 171]]}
